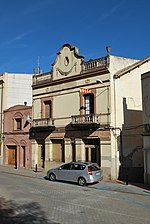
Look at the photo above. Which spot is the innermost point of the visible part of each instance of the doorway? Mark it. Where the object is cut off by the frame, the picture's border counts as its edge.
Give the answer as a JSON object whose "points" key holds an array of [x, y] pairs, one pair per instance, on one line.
{"points": [[41, 155], [92, 154], [73, 151], [92, 150], [12, 155], [58, 153], [24, 156]]}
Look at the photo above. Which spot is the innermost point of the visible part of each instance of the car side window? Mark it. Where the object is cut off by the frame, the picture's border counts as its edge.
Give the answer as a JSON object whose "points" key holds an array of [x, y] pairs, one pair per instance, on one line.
{"points": [[77, 167], [66, 167], [94, 168], [82, 167]]}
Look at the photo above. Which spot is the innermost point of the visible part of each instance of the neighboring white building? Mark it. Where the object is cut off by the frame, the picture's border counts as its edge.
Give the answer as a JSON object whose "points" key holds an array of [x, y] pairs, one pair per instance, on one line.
{"points": [[128, 115], [15, 89], [146, 119], [90, 110]]}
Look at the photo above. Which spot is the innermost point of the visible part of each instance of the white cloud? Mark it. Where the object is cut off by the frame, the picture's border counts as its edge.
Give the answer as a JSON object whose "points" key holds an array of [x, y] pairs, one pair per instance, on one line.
{"points": [[12, 41], [110, 11]]}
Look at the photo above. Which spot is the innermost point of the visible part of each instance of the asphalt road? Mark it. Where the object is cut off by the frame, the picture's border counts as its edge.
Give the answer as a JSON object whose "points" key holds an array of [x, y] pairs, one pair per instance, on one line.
{"points": [[26, 197]]}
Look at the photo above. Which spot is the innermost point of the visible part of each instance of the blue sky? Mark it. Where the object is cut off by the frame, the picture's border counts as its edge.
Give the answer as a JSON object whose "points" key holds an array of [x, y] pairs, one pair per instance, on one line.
{"points": [[33, 31]]}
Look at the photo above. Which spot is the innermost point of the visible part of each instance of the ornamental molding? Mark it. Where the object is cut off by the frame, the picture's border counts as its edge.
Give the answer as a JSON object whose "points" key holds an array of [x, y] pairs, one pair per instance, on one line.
{"points": [[67, 72]]}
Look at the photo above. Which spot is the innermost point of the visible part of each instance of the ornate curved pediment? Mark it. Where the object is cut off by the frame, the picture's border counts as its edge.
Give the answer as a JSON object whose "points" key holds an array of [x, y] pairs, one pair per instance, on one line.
{"points": [[67, 63]]}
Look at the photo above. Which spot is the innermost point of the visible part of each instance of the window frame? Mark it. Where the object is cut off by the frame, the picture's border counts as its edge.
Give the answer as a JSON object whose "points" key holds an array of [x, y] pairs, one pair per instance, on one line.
{"points": [[43, 101], [18, 122], [82, 102]]}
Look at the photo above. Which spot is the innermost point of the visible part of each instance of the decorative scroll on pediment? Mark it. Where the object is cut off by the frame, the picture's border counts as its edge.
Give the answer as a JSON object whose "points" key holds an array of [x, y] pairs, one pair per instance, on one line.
{"points": [[67, 63], [67, 72]]}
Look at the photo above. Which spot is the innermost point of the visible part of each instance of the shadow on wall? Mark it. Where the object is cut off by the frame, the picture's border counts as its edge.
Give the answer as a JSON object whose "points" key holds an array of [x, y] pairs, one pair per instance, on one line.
{"points": [[11, 212], [131, 145]]}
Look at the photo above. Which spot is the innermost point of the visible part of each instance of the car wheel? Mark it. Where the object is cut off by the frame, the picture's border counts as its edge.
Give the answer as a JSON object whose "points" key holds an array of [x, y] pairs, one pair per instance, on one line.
{"points": [[82, 181], [52, 177]]}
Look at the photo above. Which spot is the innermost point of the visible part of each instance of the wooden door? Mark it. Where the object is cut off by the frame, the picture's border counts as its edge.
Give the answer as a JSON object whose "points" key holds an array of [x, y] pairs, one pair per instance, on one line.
{"points": [[12, 155], [57, 152]]}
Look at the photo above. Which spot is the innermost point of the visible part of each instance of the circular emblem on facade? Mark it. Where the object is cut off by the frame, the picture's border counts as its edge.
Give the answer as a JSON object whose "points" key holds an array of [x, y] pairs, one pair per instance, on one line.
{"points": [[66, 61]]}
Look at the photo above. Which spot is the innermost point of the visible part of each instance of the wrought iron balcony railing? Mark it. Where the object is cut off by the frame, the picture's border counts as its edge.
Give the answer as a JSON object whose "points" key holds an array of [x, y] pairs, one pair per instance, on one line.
{"points": [[43, 122]]}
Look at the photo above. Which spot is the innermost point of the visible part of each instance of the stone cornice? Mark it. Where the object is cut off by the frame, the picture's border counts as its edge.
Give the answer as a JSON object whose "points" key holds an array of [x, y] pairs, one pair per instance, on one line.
{"points": [[80, 76]]}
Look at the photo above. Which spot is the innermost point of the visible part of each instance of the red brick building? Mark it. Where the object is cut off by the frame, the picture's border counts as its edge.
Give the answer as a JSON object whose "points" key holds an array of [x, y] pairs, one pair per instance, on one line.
{"points": [[17, 145]]}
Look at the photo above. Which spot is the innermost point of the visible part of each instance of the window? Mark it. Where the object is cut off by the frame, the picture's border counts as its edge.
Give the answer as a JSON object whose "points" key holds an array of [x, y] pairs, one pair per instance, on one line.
{"points": [[89, 103], [18, 124], [47, 105], [17, 121], [66, 61]]}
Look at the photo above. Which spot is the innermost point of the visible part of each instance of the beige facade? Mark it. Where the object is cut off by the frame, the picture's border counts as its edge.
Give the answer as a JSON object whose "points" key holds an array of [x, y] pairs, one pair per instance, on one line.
{"points": [[146, 120], [80, 110]]}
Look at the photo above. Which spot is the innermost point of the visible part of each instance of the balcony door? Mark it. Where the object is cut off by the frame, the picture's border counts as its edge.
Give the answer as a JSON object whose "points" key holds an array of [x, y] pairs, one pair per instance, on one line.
{"points": [[47, 105], [89, 103]]}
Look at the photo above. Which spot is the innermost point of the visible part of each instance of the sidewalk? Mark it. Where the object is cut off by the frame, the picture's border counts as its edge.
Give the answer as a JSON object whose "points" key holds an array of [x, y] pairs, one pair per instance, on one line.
{"points": [[23, 171], [41, 173], [133, 184]]}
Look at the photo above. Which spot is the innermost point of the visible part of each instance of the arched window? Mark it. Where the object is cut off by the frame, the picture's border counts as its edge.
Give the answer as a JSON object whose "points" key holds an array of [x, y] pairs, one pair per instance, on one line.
{"points": [[18, 121]]}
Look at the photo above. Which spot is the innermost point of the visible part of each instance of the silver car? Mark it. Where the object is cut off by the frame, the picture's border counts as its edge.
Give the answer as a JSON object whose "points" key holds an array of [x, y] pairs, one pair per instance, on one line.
{"points": [[81, 172]]}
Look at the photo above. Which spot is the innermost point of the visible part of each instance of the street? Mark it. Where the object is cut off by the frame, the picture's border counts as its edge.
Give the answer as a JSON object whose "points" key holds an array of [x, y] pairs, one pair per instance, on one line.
{"points": [[28, 197]]}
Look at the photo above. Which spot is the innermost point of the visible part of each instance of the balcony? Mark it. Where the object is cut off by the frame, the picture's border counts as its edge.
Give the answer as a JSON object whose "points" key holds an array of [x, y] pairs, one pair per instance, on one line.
{"points": [[42, 78], [43, 122], [90, 121], [43, 125], [95, 64], [86, 66]]}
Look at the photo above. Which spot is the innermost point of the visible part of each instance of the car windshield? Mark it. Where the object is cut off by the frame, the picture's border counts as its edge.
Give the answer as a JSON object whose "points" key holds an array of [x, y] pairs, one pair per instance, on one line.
{"points": [[94, 167]]}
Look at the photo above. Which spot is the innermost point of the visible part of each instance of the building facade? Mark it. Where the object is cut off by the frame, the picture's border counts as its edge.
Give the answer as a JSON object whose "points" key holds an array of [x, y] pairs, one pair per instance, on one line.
{"points": [[15, 89], [17, 145], [146, 119], [82, 110]]}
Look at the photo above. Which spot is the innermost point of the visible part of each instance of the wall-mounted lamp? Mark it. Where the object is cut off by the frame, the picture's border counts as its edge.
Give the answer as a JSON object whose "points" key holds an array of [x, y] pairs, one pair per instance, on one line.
{"points": [[99, 81]]}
